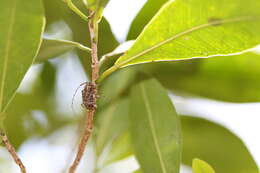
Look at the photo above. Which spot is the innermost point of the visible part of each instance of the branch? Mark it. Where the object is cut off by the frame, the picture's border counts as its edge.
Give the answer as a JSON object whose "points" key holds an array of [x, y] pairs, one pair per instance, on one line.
{"points": [[11, 150], [83, 142], [91, 94], [93, 30]]}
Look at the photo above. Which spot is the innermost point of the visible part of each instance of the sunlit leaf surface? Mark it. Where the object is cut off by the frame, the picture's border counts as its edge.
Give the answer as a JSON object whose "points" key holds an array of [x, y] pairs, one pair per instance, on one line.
{"points": [[185, 29]]}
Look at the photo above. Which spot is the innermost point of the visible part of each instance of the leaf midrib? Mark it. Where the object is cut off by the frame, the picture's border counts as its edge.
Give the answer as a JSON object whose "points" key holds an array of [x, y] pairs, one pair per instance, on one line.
{"points": [[202, 26], [7, 49], [152, 128]]}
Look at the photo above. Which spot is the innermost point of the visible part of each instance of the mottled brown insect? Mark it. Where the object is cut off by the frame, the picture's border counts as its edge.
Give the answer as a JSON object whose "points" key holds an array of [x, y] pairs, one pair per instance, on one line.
{"points": [[89, 96]]}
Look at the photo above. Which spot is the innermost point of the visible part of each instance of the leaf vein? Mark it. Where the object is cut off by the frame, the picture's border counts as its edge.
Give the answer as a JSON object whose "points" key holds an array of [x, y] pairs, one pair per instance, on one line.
{"points": [[152, 128], [202, 26]]}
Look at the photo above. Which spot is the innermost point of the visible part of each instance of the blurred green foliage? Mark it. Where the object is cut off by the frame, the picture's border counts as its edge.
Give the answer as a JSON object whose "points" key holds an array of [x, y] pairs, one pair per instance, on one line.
{"points": [[20, 122], [228, 78], [215, 144]]}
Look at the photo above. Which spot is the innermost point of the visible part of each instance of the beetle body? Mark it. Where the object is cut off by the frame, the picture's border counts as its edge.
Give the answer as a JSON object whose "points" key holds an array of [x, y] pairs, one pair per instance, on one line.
{"points": [[89, 96]]}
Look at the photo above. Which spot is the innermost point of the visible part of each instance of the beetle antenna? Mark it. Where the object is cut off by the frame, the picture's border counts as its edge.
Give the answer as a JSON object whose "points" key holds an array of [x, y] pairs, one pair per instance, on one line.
{"points": [[73, 98]]}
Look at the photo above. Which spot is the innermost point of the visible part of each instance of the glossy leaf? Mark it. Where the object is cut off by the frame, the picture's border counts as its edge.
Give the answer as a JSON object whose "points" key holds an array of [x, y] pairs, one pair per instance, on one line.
{"points": [[155, 128], [228, 78], [21, 24], [185, 29], [52, 48], [200, 166], [150, 8], [215, 144]]}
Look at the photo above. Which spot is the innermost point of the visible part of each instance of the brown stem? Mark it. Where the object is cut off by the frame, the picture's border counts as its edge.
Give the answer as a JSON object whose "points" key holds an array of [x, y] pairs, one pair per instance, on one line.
{"points": [[93, 29], [83, 142], [11, 150]]}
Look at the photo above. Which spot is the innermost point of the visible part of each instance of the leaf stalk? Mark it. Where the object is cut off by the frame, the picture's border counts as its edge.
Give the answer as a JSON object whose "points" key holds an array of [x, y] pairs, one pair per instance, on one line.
{"points": [[76, 10]]}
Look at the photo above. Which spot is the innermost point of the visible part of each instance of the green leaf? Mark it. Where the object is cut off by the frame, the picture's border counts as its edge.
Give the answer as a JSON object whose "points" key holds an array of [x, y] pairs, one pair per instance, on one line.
{"points": [[51, 48], [115, 113], [112, 121], [155, 128], [123, 78], [200, 166], [227, 78], [21, 24], [76, 10], [121, 148], [185, 29], [215, 144], [54, 11], [112, 115], [144, 16], [203, 139]]}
